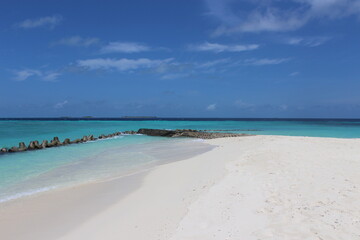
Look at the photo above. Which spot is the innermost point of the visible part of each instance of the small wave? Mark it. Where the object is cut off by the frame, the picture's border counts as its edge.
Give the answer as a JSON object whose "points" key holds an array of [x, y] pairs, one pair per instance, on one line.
{"points": [[25, 194], [104, 139], [198, 140]]}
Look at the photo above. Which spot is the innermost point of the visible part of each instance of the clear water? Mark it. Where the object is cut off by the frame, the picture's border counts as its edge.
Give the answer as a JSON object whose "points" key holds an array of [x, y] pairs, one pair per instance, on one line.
{"points": [[27, 173]]}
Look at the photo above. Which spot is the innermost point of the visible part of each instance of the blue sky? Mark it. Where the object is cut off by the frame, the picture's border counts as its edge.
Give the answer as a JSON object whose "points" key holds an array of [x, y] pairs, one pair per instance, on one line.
{"points": [[200, 58]]}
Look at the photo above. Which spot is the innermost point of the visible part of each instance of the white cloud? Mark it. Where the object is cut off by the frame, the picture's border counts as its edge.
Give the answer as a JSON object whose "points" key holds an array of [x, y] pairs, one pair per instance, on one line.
{"points": [[265, 61], [213, 63], [217, 48], [276, 15], [22, 75], [122, 64], [294, 41], [293, 74], [211, 107], [332, 8], [271, 21], [60, 104], [308, 41], [77, 41], [51, 76], [49, 21], [124, 47]]}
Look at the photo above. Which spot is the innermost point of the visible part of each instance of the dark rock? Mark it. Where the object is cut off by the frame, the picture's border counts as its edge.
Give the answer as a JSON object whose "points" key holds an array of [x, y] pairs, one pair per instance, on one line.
{"points": [[130, 132], [230, 130], [102, 136], [66, 141], [34, 145], [76, 141], [156, 132], [187, 133], [91, 137], [84, 139], [37, 145], [22, 147], [14, 149], [31, 146], [45, 144], [55, 142], [4, 150]]}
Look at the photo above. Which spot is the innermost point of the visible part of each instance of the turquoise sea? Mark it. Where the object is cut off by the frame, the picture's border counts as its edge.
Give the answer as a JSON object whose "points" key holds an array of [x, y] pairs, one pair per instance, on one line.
{"points": [[28, 173]]}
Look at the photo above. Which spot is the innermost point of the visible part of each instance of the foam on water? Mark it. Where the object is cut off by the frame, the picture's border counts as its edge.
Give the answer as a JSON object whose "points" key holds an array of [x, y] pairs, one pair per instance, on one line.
{"points": [[25, 194]]}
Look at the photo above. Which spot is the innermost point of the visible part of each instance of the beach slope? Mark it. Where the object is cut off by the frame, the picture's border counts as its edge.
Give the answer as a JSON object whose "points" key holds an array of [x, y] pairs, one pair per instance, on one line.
{"points": [[256, 187]]}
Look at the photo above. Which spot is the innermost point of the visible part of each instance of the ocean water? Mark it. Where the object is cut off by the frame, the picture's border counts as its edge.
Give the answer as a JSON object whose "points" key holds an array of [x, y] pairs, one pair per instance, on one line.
{"points": [[27, 173]]}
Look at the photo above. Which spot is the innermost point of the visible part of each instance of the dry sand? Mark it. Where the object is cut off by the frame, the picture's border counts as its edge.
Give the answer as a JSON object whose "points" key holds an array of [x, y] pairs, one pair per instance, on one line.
{"points": [[260, 187]]}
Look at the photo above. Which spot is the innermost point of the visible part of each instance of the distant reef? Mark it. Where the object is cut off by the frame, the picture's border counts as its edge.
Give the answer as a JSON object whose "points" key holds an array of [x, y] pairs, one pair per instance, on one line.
{"points": [[36, 145]]}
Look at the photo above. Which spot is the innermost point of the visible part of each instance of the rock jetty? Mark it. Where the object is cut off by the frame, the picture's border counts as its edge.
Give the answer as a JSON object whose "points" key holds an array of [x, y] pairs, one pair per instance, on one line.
{"points": [[55, 142], [187, 133], [231, 130]]}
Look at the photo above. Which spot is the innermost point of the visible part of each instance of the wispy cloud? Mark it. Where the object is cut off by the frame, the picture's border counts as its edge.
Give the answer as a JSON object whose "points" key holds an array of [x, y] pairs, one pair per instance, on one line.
{"points": [[213, 63], [60, 105], [51, 77], [307, 41], [22, 75], [217, 48], [269, 15], [293, 74], [124, 47], [271, 21], [77, 41], [49, 21], [122, 64], [265, 61], [211, 107]]}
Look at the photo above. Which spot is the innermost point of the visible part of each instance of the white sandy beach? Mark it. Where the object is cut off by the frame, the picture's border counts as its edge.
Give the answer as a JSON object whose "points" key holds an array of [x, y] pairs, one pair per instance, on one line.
{"points": [[258, 187]]}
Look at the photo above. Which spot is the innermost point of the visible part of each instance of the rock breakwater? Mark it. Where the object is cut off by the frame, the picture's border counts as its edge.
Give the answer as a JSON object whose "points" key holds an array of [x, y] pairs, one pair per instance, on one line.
{"points": [[55, 142], [188, 133]]}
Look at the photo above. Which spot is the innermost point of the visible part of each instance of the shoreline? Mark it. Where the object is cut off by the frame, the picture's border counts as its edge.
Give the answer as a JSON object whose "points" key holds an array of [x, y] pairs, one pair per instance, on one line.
{"points": [[72, 197], [188, 199], [156, 153]]}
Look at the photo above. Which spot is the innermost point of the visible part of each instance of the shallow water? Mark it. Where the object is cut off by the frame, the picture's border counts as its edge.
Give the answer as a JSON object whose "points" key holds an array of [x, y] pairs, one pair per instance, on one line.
{"points": [[28, 173]]}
